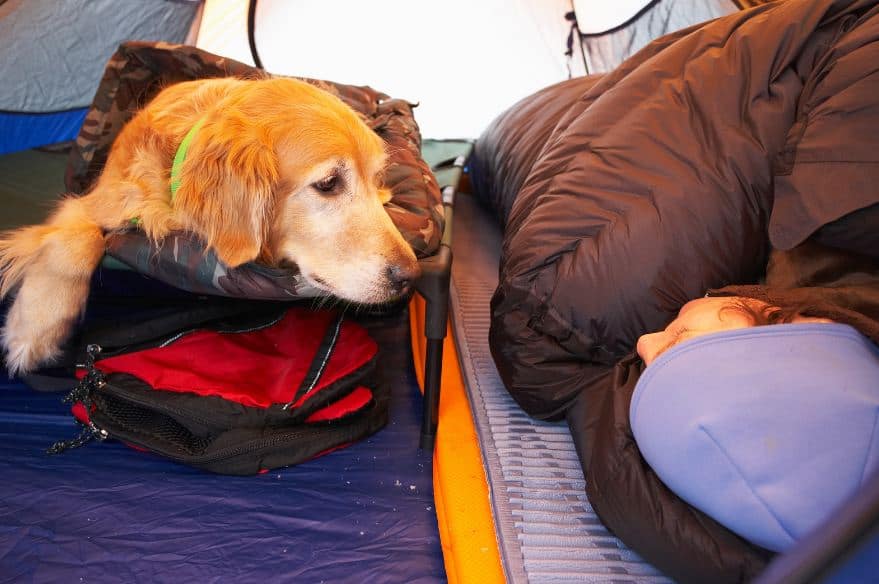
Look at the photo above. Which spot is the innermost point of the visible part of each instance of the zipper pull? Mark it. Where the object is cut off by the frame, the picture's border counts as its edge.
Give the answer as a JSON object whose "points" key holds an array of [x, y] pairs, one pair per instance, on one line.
{"points": [[82, 393], [88, 433], [93, 379]]}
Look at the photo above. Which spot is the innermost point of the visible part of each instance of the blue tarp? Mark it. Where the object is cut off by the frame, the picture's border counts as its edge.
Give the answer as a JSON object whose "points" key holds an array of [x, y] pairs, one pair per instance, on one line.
{"points": [[20, 131]]}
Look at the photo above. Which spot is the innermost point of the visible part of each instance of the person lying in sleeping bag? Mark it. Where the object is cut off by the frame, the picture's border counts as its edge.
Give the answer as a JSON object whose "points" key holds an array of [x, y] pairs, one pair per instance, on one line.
{"points": [[766, 429], [722, 440], [623, 197]]}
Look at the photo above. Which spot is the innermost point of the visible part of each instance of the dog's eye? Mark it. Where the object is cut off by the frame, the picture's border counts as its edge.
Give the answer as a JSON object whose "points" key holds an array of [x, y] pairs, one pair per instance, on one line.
{"points": [[328, 184]]}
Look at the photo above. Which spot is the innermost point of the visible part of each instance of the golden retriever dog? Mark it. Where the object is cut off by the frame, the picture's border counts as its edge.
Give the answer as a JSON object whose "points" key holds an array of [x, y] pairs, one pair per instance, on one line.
{"points": [[277, 170]]}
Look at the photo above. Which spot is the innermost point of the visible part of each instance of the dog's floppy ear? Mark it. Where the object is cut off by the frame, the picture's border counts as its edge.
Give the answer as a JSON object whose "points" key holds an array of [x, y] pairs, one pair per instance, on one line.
{"points": [[226, 188]]}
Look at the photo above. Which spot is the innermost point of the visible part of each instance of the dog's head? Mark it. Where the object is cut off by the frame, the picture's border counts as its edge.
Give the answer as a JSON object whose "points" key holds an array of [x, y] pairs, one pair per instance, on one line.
{"points": [[283, 171]]}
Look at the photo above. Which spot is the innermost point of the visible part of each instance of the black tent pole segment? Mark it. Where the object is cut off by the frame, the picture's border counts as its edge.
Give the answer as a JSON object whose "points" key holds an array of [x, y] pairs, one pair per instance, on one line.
{"points": [[251, 34]]}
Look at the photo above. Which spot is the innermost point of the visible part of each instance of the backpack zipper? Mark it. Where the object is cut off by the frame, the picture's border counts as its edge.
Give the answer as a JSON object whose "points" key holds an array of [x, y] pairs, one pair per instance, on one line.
{"points": [[308, 384], [178, 335]]}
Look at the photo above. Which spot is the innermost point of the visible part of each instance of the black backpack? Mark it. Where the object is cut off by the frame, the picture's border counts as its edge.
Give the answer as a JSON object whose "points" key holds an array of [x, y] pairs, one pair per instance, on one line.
{"points": [[227, 385]]}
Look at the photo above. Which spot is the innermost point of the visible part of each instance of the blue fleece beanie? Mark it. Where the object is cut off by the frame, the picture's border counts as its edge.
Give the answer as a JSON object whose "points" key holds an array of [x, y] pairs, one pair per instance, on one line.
{"points": [[765, 429]]}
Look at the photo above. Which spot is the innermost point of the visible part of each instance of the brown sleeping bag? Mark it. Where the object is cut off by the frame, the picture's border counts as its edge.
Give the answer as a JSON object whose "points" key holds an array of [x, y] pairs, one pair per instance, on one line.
{"points": [[676, 173]]}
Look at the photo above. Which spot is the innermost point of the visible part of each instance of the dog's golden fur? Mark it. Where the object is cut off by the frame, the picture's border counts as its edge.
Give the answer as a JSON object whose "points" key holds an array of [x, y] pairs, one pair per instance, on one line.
{"points": [[280, 171]]}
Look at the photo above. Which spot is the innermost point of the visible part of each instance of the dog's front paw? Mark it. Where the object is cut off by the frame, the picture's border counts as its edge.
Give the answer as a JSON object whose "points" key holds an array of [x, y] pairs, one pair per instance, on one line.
{"points": [[37, 324], [26, 347], [25, 356]]}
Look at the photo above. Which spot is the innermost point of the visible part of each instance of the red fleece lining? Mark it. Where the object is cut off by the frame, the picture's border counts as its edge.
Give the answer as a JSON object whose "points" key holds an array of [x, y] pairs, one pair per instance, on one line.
{"points": [[80, 413], [257, 368], [354, 401]]}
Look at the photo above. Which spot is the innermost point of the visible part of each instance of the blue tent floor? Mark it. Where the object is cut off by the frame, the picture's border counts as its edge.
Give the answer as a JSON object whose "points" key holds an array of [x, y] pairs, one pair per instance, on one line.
{"points": [[106, 513]]}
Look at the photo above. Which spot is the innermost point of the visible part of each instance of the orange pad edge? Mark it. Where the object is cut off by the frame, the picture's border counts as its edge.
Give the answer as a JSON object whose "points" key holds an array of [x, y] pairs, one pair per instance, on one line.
{"points": [[460, 490]]}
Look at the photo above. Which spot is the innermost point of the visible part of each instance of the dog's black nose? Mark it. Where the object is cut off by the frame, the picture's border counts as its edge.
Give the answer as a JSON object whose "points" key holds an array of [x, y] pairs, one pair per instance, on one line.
{"points": [[402, 276]]}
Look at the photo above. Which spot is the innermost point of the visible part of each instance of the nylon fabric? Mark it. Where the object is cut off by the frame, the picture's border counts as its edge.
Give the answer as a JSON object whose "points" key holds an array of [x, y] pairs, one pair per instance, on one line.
{"points": [[257, 369], [353, 402], [781, 443]]}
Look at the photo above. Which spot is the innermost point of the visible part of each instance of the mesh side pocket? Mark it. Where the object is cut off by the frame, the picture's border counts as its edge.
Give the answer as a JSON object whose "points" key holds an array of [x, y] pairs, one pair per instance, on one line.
{"points": [[147, 427]]}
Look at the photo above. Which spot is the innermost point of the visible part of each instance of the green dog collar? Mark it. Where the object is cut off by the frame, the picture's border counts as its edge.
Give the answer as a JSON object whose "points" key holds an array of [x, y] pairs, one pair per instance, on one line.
{"points": [[177, 165], [180, 156]]}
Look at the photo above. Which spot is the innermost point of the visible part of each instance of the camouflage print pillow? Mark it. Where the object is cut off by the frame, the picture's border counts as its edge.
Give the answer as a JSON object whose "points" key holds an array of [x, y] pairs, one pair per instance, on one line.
{"points": [[136, 73]]}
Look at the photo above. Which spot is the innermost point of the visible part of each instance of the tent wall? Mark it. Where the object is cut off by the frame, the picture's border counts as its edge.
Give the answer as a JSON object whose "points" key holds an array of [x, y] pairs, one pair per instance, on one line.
{"points": [[463, 61], [54, 53], [606, 42]]}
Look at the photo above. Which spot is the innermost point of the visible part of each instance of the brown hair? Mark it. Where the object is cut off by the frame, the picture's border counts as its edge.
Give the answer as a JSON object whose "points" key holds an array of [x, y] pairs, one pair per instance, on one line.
{"points": [[765, 314]]}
